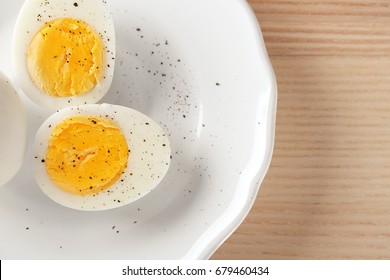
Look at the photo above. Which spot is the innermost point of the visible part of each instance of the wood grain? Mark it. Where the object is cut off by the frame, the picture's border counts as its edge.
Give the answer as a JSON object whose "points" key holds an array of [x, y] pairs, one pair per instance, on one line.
{"points": [[327, 192]]}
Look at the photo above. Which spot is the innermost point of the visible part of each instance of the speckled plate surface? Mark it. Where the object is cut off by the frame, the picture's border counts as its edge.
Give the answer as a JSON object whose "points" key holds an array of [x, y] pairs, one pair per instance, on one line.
{"points": [[197, 67]]}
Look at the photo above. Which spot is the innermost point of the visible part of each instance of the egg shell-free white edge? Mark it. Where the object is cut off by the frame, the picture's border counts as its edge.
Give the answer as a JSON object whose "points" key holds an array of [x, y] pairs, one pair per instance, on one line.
{"points": [[13, 129], [148, 160], [28, 24]]}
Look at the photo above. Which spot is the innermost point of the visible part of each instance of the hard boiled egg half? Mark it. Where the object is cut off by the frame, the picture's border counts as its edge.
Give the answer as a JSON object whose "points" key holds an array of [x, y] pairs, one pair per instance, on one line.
{"points": [[13, 131], [99, 156], [64, 51]]}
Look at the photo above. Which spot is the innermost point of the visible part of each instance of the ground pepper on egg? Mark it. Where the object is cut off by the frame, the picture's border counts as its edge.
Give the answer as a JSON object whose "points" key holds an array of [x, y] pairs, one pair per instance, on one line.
{"points": [[66, 58], [86, 154]]}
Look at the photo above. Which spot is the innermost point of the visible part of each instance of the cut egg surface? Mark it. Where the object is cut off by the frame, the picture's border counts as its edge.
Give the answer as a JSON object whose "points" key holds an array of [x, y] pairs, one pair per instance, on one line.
{"points": [[99, 156], [13, 127], [64, 51]]}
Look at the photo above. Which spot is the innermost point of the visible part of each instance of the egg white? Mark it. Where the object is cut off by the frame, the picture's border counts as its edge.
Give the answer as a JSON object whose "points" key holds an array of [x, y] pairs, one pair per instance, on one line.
{"points": [[147, 164], [33, 15], [13, 130]]}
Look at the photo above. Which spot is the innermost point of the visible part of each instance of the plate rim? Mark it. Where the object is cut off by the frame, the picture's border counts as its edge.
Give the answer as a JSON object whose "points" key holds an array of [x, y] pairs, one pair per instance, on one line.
{"points": [[204, 247]]}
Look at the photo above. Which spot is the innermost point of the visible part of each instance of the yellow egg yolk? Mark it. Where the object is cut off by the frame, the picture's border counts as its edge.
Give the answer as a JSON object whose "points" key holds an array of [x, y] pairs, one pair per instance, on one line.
{"points": [[86, 155], [65, 58]]}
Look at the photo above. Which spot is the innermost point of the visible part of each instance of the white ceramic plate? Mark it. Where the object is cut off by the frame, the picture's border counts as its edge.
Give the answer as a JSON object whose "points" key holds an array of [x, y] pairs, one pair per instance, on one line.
{"points": [[200, 69]]}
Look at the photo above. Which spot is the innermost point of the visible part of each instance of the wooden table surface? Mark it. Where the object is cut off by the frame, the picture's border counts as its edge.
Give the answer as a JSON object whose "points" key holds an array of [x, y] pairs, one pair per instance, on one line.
{"points": [[327, 192]]}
